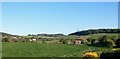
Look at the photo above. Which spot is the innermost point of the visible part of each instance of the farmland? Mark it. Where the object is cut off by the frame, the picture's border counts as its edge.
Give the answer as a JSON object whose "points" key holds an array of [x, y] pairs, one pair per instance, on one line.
{"points": [[58, 45], [34, 49]]}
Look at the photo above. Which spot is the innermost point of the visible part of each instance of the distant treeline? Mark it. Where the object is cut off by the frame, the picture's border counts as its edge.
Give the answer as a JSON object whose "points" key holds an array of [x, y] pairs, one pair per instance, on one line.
{"points": [[50, 35], [95, 31], [83, 32]]}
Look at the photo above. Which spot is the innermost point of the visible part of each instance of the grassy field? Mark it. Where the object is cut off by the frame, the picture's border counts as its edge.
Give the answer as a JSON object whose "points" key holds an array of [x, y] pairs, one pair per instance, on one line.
{"points": [[99, 35], [96, 36], [33, 49], [36, 49]]}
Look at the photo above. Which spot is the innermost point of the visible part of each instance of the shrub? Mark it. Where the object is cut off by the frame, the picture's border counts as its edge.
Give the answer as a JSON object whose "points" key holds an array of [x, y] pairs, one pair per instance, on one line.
{"points": [[109, 43], [4, 39], [61, 40], [118, 42], [43, 41], [105, 41], [110, 54], [90, 55], [65, 41], [114, 38], [89, 39], [93, 42]]}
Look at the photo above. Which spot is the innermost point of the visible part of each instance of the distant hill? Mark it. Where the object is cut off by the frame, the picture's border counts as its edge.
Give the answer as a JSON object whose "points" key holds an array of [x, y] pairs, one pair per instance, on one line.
{"points": [[6, 34], [83, 32], [96, 31], [50, 35]]}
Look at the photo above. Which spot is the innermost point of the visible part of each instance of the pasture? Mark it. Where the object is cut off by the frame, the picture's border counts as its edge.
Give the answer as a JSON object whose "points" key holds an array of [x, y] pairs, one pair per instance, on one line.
{"points": [[35, 49], [100, 35]]}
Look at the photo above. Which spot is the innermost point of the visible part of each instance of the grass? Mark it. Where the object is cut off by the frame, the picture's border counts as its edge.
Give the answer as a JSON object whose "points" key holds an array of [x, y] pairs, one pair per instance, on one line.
{"points": [[33, 49], [0, 49], [36, 49], [99, 35], [96, 36]]}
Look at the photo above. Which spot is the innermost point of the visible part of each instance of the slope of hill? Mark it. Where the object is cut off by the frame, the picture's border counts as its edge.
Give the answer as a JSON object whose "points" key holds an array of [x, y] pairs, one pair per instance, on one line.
{"points": [[6, 34], [96, 31], [50, 35]]}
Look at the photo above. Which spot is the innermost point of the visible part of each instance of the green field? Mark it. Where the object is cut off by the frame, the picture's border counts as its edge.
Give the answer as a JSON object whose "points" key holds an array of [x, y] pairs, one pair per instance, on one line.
{"points": [[34, 49], [37, 49], [100, 35]]}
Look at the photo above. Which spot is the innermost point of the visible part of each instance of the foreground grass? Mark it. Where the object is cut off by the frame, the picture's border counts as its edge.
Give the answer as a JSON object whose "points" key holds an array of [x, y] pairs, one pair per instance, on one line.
{"points": [[34, 49]]}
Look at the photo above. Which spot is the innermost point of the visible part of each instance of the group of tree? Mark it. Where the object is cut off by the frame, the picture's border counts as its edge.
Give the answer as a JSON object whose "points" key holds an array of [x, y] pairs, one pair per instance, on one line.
{"points": [[106, 41], [95, 31], [50, 35], [110, 54]]}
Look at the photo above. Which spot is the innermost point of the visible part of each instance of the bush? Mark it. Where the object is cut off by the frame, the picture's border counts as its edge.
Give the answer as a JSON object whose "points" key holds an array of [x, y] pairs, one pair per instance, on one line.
{"points": [[102, 40], [118, 42], [114, 38], [89, 39], [111, 54], [61, 40], [105, 41], [5, 40], [90, 55], [93, 42], [109, 43], [43, 41], [66, 41]]}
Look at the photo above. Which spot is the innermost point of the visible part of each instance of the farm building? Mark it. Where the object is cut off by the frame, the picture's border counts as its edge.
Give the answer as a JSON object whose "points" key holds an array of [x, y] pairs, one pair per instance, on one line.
{"points": [[33, 39], [81, 40], [78, 41]]}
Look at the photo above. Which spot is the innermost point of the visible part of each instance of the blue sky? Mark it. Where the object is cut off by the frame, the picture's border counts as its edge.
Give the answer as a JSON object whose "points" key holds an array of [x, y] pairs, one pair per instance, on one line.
{"points": [[22, 18], [60, 0]]}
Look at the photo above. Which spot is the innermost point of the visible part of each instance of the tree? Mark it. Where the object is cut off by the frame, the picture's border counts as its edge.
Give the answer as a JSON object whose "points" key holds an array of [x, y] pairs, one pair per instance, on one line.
{"points": [[61, 40], [5, 40], [108, 31], [43, 41], [93, 42], [114, 38], [118, 42], [90, 39], [109, 43], [66, 41], [102, 40], [105, 41], [110, 54], [89, 32]]}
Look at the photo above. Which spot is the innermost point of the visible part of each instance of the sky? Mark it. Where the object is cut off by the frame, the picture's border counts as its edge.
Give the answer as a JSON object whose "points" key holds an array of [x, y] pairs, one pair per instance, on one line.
{"points": [[0, 16], [59, 0], [22, 18]]}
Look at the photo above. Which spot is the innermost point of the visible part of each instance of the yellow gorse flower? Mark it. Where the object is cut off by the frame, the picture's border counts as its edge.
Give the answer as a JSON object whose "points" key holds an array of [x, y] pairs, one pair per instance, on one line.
{"points": [[90, 54]]}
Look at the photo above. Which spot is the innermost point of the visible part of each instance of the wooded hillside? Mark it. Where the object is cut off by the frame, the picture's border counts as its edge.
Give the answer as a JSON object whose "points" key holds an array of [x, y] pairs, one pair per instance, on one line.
{"points": [[96, 31]]}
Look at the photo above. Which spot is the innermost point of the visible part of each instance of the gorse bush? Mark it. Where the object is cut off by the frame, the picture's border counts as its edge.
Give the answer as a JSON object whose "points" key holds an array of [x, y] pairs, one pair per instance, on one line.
{"points": [[90, 55]]}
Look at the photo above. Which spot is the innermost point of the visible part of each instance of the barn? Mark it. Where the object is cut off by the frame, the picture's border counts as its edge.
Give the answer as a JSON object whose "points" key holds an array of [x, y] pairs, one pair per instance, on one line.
{"points": [[77, 41], [81, 40]]}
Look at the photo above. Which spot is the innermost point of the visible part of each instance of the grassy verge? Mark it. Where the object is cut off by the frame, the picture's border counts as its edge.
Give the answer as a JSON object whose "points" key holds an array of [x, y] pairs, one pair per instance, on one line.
{"points": [[33, 49]]}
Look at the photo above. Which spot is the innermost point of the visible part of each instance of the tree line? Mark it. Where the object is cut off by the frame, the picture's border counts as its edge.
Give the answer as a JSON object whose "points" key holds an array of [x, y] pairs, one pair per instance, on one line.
{"points": [[50, 35], [95, 31], [105, 41]]}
